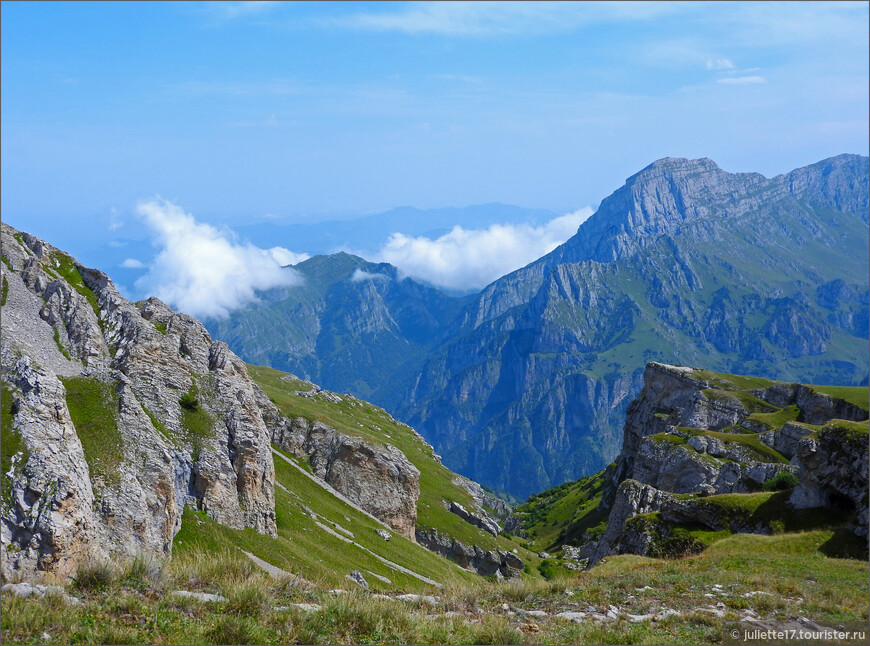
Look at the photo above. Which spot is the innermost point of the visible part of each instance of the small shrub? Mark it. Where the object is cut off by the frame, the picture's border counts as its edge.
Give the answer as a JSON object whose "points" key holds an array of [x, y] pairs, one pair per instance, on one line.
{"points": [[249, 599], [781, 481], [94, 575], [141, 571], [777, 527], [547, 569], [188, 402], [116, 635], [233, 629], [678, 544]]}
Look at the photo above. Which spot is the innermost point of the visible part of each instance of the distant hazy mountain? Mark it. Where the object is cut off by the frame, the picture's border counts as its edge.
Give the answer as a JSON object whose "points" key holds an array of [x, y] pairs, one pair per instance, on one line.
{"points": [[525, 384], [356, 325]]}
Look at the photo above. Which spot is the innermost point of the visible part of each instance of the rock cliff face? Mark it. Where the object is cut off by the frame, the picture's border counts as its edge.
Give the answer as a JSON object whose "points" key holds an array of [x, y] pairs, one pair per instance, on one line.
{"points": [[692, 436], [500, 563], [88, 487], [380, 480], [833, 472]]}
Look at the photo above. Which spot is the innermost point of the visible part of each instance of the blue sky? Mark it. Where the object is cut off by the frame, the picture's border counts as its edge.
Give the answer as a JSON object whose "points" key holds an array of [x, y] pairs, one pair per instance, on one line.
{"points": [[242, 112]]}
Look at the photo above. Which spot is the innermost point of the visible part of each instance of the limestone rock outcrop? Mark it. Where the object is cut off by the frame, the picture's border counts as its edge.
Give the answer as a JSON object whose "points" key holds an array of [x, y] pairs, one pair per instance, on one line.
{"points": [[833, 473], [380, 479], [67, 332], [500, 563], [692, 436]]}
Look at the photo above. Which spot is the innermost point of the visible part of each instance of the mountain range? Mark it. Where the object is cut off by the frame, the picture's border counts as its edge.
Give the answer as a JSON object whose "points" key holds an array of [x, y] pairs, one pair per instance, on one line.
{"points": [[525, 384], [156, 489]]}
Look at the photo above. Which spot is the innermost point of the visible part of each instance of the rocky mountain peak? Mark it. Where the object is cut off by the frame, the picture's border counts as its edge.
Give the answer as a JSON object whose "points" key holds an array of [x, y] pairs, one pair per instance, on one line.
{"points": [[674, 167], [658, 200], [839, 183]]}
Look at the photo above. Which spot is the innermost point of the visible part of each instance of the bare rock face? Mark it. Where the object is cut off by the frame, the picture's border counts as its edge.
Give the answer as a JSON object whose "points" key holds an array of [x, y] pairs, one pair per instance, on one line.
{"points": [[484, 522], [690, 432], [816, 407], [702, 463], [379, 479], [671, 396], [786, 439], [632, 498], [501, 512], [833, 473], [63, 319], [49, 523], [471, 557]]}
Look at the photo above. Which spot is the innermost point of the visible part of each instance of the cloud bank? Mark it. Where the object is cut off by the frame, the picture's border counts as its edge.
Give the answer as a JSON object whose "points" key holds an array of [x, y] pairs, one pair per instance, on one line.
{"points": [[361, 274], [204, 271], [470, 259]]}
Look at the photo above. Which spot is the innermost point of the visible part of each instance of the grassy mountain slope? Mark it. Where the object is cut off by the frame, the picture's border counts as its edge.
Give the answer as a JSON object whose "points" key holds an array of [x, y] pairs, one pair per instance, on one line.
{"points": [[364, 420]]}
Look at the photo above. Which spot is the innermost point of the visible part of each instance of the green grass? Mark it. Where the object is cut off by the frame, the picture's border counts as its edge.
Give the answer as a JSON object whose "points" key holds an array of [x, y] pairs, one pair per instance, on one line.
{"points": [[857, 395], [93, 407], [855, 432], [750, 402], [60, 347], [196, 422], [778, 418], [5, 291], [669, 438], [7, 263], [361, 419], [794, 571], [11, 441], [758, 449], [305, 549], [67, 269], [733, 382], [161, 327], [562, 513]]}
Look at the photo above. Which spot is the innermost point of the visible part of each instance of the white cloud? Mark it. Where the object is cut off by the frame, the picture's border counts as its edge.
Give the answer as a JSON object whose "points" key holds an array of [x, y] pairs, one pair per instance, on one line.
{"points": [[132, 263], [494, 18], [204, 271], [742, 80], [470, 259], [232, 10], [360, 274], [116, 243], [286, 257], [720, 64]]}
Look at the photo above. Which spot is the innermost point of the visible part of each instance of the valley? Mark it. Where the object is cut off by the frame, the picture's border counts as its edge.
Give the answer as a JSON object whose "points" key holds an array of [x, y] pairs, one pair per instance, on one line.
{"points": [[525, 385]]}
